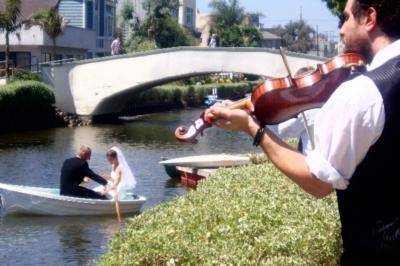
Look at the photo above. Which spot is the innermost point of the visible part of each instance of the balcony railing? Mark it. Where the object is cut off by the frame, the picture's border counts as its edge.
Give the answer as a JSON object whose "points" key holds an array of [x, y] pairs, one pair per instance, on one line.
{"points": [[35, 68]]}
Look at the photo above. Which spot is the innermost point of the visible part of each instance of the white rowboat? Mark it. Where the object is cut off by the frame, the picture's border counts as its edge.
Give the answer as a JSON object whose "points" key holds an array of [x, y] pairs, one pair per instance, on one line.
{"points": [[208, 161], [48, 201]]}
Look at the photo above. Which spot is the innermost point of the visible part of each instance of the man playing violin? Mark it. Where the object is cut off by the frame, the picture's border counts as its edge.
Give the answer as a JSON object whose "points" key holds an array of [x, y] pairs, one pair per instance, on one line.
{"points": [[357, 137]]}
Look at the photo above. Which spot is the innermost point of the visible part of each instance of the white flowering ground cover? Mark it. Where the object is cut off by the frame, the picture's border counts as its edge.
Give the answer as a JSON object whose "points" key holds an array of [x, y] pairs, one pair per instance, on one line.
{"points": [[244, 216]]}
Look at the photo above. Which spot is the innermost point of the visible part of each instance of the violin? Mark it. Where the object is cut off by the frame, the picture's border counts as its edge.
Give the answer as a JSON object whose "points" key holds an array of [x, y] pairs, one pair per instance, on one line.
{"points": [[276, 100]]}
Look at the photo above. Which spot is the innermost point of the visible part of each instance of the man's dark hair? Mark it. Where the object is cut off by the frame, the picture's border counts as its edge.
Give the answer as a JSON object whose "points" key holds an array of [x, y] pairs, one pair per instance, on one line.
{"points": [[388, 14]]}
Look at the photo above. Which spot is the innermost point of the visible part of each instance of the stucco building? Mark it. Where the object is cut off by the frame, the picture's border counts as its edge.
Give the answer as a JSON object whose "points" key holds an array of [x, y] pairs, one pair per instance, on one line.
{"points": [[271, 40], [89, 32]]}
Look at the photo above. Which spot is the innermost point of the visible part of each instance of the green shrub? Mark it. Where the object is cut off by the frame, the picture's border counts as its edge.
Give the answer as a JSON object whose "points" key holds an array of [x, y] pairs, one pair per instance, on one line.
{"points": [[177, 96], [21, 74], [245, 216], [26, 105]]}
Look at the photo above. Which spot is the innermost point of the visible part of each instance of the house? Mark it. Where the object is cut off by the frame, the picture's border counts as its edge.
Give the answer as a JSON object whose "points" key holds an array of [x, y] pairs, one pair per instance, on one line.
{"points": [[187, 14], [271, 40], [89, 32]]}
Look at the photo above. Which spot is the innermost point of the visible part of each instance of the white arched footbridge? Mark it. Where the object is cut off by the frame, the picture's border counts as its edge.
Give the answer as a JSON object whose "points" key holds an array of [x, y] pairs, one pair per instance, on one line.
{"points": [[102, 86]]}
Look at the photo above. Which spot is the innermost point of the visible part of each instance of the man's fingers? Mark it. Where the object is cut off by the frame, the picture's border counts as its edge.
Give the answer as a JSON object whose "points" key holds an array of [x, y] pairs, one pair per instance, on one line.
{"points": [[221, 113], [226, 103], [222, 123]]}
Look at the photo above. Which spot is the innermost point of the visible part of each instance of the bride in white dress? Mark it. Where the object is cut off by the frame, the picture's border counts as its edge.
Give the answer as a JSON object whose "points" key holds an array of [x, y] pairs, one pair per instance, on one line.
{"points": [[121, 181]]}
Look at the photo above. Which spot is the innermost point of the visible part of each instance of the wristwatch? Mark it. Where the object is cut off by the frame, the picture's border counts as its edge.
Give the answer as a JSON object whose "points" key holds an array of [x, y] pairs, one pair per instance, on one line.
{"points": [[258, 137]]}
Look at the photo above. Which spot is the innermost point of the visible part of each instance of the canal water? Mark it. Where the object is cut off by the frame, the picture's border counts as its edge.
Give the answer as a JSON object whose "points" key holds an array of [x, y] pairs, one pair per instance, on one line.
{"points": [[35, 158]]}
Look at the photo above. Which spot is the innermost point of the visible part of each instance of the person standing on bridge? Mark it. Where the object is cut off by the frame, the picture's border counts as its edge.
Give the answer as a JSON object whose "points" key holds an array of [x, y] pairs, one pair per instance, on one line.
{"points": [[213, 42], [116, 46]]}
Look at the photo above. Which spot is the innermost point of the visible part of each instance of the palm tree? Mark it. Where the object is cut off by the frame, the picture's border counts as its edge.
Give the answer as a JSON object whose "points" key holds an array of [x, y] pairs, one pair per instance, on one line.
{"points": [[51, 22], [227, 13], [9, 23]]}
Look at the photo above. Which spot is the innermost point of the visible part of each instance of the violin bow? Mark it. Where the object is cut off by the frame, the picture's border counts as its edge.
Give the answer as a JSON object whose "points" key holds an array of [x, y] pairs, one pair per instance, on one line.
{"points": [[306, 125]]}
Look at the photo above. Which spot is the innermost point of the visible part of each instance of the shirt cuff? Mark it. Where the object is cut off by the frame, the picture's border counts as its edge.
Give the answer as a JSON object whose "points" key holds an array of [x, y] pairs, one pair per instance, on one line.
{"points": [[324, 171]]}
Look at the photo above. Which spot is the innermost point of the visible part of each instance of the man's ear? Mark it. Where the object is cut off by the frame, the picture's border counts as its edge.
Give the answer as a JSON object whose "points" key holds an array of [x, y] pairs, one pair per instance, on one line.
{"points": [[371, 19]]}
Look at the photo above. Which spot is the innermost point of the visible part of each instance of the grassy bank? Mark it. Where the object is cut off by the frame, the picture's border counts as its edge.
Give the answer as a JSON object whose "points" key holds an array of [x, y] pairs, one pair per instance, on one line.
{"points": [[245, 216], [178, 96], [26, 104]]}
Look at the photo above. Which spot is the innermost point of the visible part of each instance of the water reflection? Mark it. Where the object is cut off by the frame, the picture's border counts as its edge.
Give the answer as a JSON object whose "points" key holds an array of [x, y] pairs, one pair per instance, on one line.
{"points": [[31, 240]]}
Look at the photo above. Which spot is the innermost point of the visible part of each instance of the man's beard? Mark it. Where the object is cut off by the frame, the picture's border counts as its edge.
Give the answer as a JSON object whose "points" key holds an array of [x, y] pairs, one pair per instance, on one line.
{"points": [[362, 47]]}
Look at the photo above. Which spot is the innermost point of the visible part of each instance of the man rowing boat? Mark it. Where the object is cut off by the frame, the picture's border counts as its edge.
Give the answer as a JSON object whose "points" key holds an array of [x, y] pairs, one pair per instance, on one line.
{"points": [[73, 172]]}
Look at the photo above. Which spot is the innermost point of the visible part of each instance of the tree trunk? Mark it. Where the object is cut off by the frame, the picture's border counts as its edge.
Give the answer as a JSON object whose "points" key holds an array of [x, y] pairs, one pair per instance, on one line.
{"points": [[54, 53], [7, 56]]}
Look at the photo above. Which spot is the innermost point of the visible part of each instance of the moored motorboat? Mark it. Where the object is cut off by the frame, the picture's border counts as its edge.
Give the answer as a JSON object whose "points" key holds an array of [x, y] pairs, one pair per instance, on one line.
{"points": [[192, 169], [191, 177], [209, 161], [16, 199], [171, 170]]}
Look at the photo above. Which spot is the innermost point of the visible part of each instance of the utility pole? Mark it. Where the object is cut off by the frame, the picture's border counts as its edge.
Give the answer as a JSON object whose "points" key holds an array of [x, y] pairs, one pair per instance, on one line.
{"points": [[301, 13], [317, 42]]}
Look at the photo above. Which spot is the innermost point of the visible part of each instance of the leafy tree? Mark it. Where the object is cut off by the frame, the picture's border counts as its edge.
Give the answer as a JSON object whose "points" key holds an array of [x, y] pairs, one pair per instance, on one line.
{"points": [[298, 36], [336, 6], [9, 23], [127, 11], [228, 19], [230, 37], [51, 22], [124, 20], [227, 14], [252, 36], [160, 8], [157, 12], [160, 27]]}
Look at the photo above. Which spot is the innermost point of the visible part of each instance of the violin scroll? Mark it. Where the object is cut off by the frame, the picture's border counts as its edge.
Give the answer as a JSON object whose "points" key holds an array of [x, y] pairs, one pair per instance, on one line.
{"points": [[189, 134]]}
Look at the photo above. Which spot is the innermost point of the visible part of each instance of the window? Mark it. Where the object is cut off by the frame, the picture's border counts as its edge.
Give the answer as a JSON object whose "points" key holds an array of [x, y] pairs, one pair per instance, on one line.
{"points": [[109, 23], [89, 15], [100, 43], [45, 57], [189, 16], [23, 59], [101, 17], [18, 59], [89, 55]]}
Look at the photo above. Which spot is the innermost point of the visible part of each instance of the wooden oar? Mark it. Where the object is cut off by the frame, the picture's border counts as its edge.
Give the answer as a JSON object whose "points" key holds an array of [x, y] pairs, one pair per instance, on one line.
{"points": [[117, 205]]}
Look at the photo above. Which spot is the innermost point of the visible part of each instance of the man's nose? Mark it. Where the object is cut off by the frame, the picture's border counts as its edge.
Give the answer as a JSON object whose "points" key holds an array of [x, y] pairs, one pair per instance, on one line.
{"points": [[341, 31]]}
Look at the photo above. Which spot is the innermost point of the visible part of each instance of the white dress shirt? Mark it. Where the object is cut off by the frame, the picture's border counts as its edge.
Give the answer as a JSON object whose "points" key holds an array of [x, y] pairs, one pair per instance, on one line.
{"points": [[295, 128], [347, 126]]}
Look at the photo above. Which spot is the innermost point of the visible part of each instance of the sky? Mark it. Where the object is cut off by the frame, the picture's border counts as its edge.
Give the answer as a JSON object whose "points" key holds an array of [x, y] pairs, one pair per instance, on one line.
{"points": [[281, 12]]}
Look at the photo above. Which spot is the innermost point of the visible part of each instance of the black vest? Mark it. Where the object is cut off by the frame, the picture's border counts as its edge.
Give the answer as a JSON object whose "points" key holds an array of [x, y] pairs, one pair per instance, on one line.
{"points": [[370, 207]]}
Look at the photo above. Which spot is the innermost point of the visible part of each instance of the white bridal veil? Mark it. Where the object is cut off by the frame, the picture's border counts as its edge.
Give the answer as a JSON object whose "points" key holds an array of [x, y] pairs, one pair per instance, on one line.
{"points": [[128, 180]]}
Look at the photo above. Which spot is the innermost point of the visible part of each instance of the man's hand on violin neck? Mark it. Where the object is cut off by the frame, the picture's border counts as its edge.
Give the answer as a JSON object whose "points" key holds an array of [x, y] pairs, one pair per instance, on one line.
{"points": [[236, 120], [284, 157]]}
